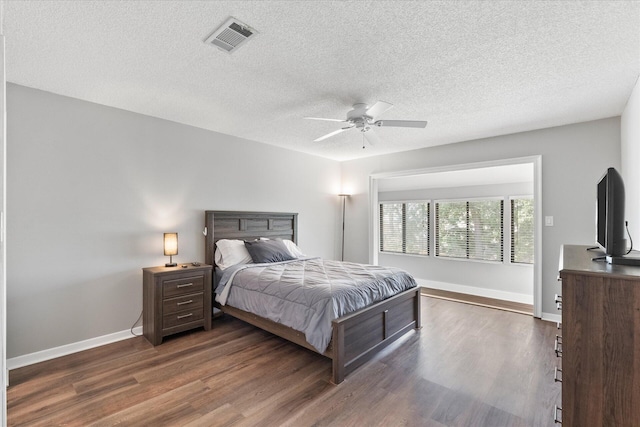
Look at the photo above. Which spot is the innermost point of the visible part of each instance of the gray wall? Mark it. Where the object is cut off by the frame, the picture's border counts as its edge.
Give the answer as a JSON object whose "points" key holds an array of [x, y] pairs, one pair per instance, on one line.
{"points": [[630, 137], [91, 189], [497, 280], [574, 157]]}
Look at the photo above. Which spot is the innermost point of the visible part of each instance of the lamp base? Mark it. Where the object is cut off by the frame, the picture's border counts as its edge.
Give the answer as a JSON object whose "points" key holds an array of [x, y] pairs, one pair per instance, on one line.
{"points": [[172, 264]]}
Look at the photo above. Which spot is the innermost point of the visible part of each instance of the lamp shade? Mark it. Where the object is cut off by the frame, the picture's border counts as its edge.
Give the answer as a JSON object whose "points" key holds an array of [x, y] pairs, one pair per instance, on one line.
{"points": [[171, 244]]}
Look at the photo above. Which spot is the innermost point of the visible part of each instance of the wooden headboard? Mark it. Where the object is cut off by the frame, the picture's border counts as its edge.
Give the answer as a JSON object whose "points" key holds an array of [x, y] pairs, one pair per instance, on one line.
{"points": [[247, 226]]}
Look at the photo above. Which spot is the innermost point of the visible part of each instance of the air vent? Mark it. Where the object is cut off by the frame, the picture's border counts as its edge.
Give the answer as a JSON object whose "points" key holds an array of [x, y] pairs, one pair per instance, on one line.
{"points": [[231, 35]]}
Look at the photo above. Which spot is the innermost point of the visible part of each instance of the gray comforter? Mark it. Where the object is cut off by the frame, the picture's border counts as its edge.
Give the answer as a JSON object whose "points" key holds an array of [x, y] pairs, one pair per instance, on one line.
{"points": [[308, 294]]}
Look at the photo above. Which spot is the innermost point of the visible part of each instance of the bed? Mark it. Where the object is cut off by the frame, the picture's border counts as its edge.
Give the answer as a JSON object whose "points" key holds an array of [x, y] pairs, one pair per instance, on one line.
{"points": [[355, 337]]}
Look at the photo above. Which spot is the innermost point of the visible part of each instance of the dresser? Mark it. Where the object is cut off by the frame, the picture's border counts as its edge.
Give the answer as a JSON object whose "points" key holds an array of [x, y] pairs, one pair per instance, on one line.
{"points": [[175, 299], [599, 341]]}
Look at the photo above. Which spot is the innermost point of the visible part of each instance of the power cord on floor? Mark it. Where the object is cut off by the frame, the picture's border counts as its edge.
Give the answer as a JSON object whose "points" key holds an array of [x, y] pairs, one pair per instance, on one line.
{"points": [[134, 324]]}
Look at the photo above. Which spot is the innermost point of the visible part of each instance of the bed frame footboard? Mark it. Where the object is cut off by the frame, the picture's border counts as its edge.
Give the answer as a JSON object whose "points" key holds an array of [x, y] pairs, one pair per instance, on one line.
{"points": [[359, 336]]}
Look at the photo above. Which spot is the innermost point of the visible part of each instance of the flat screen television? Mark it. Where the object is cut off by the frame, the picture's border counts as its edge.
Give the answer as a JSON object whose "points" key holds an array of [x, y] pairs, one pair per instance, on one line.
{"points": [[610, 214]]}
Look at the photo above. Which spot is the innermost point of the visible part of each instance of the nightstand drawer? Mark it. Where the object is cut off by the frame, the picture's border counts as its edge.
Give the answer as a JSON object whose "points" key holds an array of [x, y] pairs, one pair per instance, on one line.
{"points": [[183, 285], [181, 318], [183, 303]]}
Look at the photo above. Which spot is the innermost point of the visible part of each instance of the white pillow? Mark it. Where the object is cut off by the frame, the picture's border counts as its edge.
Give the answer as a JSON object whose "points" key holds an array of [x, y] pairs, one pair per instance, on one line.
{"points": [[293, 249], [231, 252]]}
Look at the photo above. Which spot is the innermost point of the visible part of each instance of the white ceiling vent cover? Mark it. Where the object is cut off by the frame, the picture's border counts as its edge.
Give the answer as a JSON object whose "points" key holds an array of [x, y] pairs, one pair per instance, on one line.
{"points": [[231, 35]]}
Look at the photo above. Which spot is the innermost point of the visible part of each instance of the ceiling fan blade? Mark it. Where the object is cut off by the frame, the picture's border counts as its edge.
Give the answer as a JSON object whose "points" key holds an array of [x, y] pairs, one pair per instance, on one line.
{"points": [[372, 137], [378, 108], [328, 120], [335, 132], [402, 123]]}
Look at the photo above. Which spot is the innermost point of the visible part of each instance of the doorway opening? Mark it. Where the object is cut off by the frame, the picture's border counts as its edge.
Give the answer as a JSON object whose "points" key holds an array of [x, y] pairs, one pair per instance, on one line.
{"points": [[449, 182]]}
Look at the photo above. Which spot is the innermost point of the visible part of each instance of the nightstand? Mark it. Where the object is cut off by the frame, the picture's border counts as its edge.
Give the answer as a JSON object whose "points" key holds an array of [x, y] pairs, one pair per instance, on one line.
{"points": [[175, 299]]}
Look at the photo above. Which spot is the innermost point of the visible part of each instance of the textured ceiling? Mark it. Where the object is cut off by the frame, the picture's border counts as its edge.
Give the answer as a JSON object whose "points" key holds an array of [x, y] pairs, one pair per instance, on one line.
{"points": [[472, 69]]}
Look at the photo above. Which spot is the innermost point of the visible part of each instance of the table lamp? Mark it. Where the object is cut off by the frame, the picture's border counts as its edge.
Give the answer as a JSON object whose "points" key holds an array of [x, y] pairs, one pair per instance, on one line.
{"points": [[171, 247]]}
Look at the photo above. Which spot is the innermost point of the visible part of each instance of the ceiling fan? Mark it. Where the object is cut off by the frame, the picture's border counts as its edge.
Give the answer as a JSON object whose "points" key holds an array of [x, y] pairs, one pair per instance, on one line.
{"points": [[364, 117]]}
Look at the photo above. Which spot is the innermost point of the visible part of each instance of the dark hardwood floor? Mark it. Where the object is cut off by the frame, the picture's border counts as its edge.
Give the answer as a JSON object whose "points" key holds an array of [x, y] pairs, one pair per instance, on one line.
{"points": [[467, 366]]}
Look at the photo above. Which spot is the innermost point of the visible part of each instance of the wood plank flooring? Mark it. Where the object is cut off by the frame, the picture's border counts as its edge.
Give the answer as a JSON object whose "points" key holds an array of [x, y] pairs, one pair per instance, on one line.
{"points": [[467, 366]]}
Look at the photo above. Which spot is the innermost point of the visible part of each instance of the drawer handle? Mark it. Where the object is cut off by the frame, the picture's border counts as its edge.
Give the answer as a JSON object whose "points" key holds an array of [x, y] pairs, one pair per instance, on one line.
{"points": [[185, 316], [559, 305], [558, 298], [558, 346], [559, 326], [184, 285], [184, 302], [555, 415], [555, 375]]}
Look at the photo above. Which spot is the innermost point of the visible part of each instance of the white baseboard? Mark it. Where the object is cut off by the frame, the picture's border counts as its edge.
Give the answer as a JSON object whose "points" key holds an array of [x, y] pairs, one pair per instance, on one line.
{"points": [[52, 353], [480, 292], [552, 317]]}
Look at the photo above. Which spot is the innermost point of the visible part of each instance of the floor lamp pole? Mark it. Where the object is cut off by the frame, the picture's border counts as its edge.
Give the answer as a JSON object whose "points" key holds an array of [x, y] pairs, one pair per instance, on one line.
{"points": [[344, 199]]}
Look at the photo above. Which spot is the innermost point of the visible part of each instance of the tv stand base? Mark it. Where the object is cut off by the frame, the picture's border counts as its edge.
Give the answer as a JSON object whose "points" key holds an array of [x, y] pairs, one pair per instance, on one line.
{"points": [[624, 260]]}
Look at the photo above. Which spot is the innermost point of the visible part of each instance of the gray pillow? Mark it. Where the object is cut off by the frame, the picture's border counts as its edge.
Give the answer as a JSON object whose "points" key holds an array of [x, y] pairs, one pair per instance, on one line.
{"points": [[268, 251]]}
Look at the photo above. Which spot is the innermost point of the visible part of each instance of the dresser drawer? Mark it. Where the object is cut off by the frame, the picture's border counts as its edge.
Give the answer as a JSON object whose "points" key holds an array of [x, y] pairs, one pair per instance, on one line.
{"points": [[183, 303], [183, 286], [181, 318]]}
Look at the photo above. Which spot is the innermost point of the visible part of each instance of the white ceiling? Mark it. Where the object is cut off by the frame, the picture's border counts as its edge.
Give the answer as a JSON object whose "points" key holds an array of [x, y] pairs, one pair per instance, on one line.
{"points": [[472, 69]]}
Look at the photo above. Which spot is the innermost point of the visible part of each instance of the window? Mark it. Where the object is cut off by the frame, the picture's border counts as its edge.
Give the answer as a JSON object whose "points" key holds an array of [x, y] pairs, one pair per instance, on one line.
{"points": [[522, 230], [404, 227], [391, 227], [470, 229]]}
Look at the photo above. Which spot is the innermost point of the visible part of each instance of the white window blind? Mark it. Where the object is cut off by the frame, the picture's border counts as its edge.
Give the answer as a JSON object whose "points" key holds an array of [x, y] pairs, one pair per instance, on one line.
{"points": [[391, 225], [417, 228], [485, 229], [404, 227], [522, 230], [470, 229], [451, 229]]}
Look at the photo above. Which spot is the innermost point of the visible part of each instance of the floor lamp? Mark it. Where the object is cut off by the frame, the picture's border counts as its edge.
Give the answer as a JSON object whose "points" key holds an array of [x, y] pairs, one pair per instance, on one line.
{"points": [[344, 199]]}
